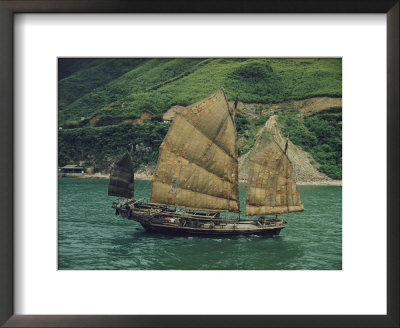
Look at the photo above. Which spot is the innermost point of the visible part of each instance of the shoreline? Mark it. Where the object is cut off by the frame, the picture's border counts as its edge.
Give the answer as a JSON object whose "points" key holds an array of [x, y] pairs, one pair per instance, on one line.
{"points": [[141, 176], [320, 183]]}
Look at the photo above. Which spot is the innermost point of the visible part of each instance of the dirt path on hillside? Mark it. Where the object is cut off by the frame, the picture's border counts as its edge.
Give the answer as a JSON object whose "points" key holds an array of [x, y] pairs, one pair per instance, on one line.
{"points": [[308, 105], [311, 104]]}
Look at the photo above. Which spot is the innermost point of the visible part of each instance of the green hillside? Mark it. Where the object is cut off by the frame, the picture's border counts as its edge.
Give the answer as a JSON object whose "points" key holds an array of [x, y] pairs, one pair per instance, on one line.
{"points": [[320, 134], [78, 77], [99, 98]]}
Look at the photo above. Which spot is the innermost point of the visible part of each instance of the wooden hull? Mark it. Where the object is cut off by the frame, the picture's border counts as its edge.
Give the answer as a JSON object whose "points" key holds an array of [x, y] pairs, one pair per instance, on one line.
{"points": [[210, 232], [161, 220]]}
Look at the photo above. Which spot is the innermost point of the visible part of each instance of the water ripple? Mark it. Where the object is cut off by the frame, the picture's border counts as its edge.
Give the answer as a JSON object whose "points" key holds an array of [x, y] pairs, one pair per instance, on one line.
{"points": [[91, 237]]}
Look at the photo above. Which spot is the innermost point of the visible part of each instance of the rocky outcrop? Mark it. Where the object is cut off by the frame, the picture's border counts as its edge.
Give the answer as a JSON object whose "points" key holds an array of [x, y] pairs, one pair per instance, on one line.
{"points": [[304, 165]]}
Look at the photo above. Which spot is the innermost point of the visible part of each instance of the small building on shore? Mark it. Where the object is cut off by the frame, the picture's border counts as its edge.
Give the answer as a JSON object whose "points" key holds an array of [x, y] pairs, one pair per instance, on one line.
{"points": [[70, 171]]}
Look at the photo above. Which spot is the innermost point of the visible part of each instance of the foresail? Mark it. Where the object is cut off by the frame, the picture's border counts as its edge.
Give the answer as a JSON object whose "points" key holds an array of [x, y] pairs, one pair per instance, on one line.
{"points": [[197, 166], [121, 178], [271, 186]]}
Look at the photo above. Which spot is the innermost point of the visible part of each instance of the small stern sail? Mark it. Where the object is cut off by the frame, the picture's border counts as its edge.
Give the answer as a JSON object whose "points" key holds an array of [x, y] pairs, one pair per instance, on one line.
{"points": [[271, 186], [121, 178], [198, 166]]}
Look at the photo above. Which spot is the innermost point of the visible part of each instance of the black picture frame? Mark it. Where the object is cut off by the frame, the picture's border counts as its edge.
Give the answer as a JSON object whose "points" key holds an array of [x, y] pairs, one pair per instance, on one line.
{"points": [[7, 10]]}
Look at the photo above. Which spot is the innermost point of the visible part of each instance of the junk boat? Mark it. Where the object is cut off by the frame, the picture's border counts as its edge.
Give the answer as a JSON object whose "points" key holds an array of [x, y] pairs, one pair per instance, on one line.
{"points": [[196, 179]]}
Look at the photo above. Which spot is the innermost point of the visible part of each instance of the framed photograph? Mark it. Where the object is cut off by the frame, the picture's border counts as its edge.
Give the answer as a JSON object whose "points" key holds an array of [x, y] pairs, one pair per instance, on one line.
{"points": [[235, 95]]}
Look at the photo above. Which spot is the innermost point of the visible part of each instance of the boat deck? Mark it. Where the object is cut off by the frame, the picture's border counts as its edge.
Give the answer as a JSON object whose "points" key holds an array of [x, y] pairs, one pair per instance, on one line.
{"points": [[156, 219]]}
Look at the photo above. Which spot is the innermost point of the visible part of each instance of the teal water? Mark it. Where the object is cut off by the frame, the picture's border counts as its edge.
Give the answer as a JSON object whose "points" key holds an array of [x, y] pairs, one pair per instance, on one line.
{"points": [[91, 237]]}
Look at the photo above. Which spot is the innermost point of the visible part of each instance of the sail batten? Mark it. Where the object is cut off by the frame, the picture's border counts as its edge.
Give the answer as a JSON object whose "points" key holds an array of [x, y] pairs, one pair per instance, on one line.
{"points": [[175, 160], [185, 198], [197, 165], [121, 178], [271, 186], [212, 141]]}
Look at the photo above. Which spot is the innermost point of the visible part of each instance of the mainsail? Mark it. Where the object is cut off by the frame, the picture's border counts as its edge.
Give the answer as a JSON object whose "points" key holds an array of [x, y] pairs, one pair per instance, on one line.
{"points": [[121, 178], [271, 186], [198, 166]]}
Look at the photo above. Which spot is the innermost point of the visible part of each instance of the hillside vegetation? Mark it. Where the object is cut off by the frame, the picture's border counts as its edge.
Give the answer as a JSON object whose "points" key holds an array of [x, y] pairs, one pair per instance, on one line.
{"points": [[105, 104]]}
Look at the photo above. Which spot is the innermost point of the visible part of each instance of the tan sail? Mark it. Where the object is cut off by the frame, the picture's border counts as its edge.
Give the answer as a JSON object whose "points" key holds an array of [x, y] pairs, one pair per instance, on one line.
{"points": [[271, 186], [198, 166]]}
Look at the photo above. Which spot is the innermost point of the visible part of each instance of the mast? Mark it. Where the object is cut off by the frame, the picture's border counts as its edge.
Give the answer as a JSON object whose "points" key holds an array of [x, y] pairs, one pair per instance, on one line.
{"points": [[271, 186], [197, 166]]}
